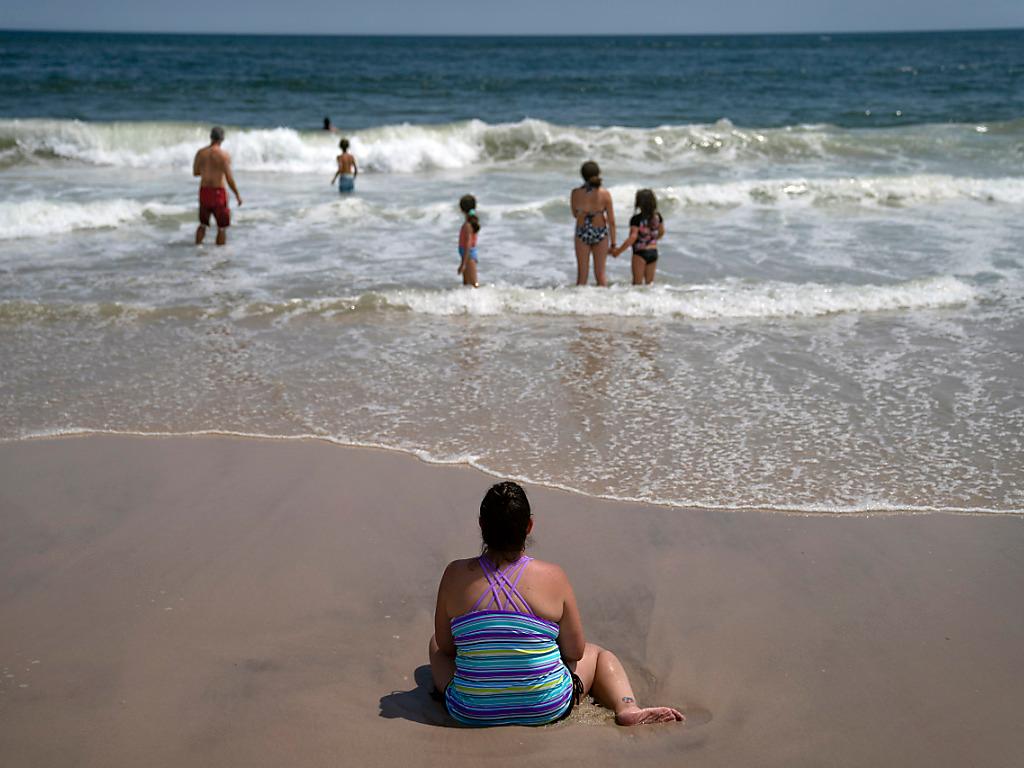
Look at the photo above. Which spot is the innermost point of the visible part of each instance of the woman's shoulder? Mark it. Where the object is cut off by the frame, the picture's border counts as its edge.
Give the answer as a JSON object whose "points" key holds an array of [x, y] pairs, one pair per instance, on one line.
{"points": [[550, 572], [458, 574], [465, 564]]}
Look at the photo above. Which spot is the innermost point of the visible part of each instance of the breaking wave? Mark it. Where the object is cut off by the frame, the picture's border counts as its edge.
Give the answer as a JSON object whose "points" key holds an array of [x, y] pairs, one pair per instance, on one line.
{"points": [[409, 148], [38, 218]]}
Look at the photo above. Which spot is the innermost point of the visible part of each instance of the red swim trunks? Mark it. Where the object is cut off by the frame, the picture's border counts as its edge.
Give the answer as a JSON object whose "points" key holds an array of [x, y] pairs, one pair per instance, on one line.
{"points": [[214, 201]]}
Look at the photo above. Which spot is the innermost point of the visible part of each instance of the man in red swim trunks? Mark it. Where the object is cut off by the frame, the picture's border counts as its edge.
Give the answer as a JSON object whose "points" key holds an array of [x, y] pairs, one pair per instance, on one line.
{"points": [[213, 167]]}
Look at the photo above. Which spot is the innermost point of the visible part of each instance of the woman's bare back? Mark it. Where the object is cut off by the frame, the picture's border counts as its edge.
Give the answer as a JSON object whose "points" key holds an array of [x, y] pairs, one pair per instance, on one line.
{"points": [[542, 585], [591, 203]]}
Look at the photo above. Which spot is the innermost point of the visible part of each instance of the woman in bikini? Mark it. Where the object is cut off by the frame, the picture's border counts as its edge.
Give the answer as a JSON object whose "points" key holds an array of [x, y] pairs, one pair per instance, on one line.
{"points": [[508, 645], [595, 223]]}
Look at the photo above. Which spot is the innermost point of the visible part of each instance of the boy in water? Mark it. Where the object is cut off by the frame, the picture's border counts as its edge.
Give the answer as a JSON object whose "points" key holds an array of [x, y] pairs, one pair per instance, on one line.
{"points": [[347, 170], [213, 167]]}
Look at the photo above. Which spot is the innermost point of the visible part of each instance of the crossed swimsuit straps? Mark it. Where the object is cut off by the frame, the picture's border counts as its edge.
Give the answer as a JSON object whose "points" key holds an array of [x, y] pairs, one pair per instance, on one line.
{"points": [[507, 581]]}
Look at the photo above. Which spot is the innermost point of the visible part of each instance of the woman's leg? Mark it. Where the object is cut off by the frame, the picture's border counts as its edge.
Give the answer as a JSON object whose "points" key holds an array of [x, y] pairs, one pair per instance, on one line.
{"points": [[600, 258], [649, 271], [605, 679], [469, 273], [442, 667], [582, 261], [638, 270]]}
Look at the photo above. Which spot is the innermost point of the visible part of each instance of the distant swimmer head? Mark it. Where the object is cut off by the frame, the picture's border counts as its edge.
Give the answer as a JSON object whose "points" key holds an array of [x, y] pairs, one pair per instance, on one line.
{"points": [[505, 520], [646, 203], [217, 134], [327, 123], [344, 145], [467, 204]]}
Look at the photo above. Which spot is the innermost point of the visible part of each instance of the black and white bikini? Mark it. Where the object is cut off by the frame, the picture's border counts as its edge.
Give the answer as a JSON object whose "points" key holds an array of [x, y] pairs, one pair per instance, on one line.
{"points": [[587, 232]]}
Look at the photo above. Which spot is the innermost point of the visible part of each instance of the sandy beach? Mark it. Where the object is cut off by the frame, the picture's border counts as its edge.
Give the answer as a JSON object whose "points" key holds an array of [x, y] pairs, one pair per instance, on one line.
{"points": [[237, 602]]}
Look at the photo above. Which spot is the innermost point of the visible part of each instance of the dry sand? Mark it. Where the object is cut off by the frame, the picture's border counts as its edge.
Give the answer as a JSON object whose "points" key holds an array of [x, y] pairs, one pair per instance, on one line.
{"points": [[233, 602]]}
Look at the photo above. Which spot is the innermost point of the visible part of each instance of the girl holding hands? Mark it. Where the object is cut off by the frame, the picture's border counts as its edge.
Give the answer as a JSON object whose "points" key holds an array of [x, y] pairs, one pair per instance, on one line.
{"points": [[646, 228]]}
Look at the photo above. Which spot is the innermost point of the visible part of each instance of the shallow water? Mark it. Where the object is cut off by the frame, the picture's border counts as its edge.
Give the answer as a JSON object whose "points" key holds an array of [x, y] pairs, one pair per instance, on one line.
{"points": [[836, 325]]}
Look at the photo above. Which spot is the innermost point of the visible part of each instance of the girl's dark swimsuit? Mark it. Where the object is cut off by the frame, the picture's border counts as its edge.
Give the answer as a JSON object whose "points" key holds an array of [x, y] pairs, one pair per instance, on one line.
{"points": [[646, 237]]}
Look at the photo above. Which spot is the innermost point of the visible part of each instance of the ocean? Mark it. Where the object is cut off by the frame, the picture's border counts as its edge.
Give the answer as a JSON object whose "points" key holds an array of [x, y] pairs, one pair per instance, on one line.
{"points": [[837, 325]]}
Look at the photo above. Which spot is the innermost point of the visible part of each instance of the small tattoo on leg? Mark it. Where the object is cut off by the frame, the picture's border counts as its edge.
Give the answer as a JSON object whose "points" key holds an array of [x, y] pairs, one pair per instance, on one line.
{"points": [[628, 700]]}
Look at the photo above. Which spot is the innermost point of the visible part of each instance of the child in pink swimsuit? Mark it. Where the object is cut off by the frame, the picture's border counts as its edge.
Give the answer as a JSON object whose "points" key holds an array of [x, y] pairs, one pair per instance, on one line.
{"points": [[645, 229]]}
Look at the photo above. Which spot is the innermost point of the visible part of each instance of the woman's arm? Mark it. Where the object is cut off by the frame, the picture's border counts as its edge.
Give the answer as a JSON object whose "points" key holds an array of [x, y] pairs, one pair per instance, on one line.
{"points": [[610, 210], [634, 233], [571, 641], [576, 212], [442, 622], [661, 227]]}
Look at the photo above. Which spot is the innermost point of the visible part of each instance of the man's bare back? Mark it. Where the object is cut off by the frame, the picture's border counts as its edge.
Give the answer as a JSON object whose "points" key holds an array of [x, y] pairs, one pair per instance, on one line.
{"points": [[213, 167], [212, 164]]}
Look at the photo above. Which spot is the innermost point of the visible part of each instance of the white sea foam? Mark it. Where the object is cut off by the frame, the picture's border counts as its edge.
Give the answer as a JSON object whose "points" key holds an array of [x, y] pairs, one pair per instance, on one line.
{"points": [[728, 300], [871, 190], [402, 148], [865, 507], [39, 218], [408, 148]]}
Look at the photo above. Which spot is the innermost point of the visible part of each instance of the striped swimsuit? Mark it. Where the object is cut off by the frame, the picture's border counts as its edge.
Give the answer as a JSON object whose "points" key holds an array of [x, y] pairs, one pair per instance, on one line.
{"points": [[508, 667]]}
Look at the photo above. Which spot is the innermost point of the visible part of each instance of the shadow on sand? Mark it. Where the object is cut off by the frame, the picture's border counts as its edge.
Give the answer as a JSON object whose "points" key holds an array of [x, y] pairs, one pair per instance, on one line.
{"points": [[417, 704]]}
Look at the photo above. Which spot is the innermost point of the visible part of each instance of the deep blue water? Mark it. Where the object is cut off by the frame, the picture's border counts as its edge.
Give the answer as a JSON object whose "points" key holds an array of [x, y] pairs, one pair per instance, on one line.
{"points": [[850, 80]]}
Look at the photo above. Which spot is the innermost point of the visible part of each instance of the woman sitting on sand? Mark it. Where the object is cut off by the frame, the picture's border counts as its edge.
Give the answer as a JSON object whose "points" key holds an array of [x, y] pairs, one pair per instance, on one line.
{"points": [[508, 645]]}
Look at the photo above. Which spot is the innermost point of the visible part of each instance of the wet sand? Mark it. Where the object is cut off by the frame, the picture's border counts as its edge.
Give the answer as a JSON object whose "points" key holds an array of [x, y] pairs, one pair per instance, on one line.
{"points": [[234, 602]]}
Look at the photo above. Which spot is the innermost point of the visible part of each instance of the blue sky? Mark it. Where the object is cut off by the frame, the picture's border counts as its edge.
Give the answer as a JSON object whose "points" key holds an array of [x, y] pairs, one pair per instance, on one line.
{"points": [[518, 17]]}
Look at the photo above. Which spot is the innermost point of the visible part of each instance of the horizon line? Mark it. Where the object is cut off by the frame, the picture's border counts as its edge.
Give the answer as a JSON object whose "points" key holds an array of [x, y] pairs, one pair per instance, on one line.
{"points": [[538, 35]]}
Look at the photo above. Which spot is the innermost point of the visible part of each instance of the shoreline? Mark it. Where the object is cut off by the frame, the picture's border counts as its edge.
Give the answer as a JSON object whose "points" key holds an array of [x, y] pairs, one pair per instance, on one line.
{"points": [[426, 458], [229, 601]]}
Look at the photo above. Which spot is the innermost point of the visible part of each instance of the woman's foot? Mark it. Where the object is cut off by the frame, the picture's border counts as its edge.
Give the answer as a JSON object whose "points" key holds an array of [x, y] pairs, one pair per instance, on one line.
{"points": [[636, 716]]}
